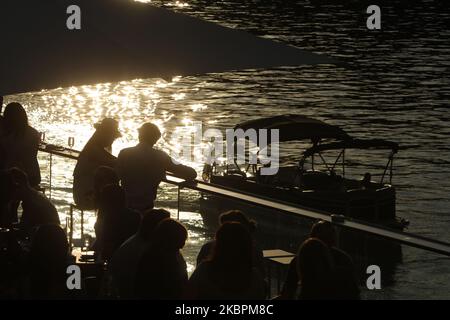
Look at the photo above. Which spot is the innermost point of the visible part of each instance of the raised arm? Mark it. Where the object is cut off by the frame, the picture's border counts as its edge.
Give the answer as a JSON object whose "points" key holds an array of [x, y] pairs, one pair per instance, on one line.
{"points": [[181, 171]]}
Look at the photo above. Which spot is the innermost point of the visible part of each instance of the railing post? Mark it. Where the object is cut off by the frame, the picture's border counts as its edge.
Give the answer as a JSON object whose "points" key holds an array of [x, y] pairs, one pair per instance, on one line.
{"points": [[178, 202], [50, 172], [82, 227], [71, 227]]}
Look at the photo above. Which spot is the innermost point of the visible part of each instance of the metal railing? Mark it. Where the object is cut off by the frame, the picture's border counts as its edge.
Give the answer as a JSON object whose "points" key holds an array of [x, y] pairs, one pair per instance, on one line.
{"points": [[406, 238]]}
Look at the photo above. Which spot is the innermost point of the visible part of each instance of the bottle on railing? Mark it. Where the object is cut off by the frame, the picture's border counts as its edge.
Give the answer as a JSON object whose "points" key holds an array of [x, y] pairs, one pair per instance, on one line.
{"points": [[71, 142], [207, 172], [42, 137]]}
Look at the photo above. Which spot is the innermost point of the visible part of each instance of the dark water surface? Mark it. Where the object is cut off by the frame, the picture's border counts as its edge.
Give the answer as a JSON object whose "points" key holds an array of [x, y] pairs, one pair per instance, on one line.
{"points": [[395, 85]]}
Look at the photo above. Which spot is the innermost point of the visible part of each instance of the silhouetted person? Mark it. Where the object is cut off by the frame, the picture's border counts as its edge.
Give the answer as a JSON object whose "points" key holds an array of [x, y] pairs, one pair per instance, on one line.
{"points": [[20, 143], [18, 147], [229, 273], [37, 208], [125, 260], [316, 270], [10, 250], [96, 153], [1, 121], [2, 149], [7, 190], [47, 263], [162, 271], [11, 262], [142, 168], [365, 182], [115, 222], [345, 275], [103, 176], [235, 216]]}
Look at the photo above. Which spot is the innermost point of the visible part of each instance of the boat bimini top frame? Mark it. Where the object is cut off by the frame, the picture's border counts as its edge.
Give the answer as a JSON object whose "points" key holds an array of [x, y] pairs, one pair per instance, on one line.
{"points": [[370, 144]]}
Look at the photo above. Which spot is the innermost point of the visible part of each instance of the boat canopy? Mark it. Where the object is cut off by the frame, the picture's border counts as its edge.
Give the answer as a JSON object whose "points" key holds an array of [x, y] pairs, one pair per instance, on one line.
{"points": [[353, 144], [296, 127]]}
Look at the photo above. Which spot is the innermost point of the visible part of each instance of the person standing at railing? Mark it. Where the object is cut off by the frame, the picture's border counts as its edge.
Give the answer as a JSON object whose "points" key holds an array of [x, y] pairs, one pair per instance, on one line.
{"points": [[96, 153], [141, 168], [20, 142]]}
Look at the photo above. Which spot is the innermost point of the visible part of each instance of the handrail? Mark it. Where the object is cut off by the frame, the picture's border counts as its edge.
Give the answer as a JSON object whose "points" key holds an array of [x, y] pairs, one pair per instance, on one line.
{"points": [[287, 208]]}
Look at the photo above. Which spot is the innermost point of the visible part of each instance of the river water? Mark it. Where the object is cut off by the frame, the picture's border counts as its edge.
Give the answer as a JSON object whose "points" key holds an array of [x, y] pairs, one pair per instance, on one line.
{"points": [[395, 85]]}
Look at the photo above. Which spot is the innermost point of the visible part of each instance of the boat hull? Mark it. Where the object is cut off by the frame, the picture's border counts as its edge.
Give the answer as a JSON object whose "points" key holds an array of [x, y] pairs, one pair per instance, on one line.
{"points": [[278, 230]]}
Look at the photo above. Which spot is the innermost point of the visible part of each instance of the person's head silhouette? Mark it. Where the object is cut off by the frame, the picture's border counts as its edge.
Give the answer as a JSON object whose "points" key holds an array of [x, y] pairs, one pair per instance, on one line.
{"points": [[238, 216], [233, 246], [170, 235], [106, 131], [149, 133], [15, 118], [324, 231], [150, 220], [21, 182], [315, 268]]}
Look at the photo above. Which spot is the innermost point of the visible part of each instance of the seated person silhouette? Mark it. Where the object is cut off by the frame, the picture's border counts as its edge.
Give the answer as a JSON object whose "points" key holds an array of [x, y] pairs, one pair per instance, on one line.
{"points": [[366, 181], [7, 191], [229, 274], [125, 260], [1, 117], [162, 270], [47, 263], [96, 153], [315, 268], [345, 278], [115, 222], [141, 168], [37, 208], [207, 249]]}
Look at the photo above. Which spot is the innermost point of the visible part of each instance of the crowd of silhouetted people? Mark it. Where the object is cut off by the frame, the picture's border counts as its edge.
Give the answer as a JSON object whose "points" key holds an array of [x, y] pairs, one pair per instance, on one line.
{"points": [[139, 247]]}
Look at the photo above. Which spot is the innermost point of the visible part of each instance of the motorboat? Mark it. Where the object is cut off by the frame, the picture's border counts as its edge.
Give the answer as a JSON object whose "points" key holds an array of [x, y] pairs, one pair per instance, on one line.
{"points": [[315, 181]]}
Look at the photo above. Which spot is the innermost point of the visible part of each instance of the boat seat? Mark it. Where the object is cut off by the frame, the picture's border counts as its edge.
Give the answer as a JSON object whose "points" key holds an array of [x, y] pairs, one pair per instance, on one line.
{"points": [[285, 177], [316, 180]]}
